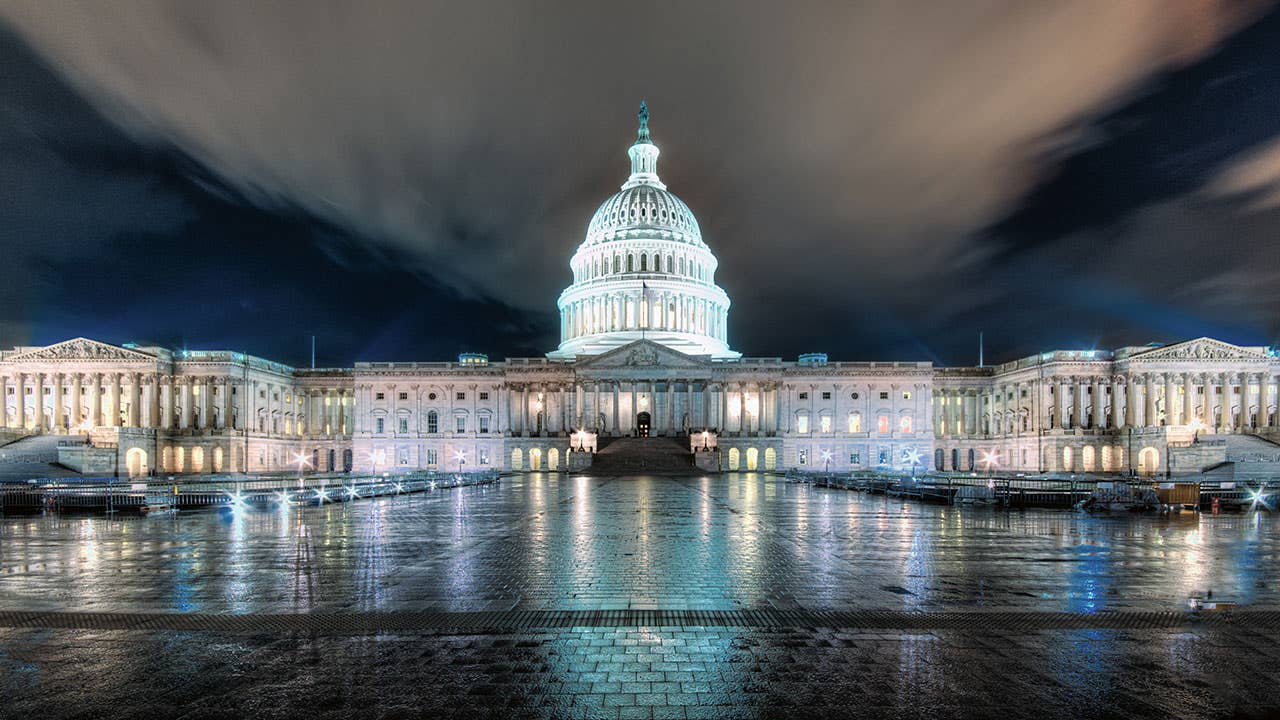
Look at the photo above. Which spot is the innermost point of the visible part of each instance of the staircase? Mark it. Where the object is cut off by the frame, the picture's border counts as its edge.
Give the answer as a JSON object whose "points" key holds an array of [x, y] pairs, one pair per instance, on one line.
{"points": [[35, 456], [655, 455]]}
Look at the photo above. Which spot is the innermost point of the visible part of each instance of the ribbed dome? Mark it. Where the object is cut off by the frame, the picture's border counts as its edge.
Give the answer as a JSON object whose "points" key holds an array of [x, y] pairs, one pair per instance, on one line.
{"points": [[647, 208]]}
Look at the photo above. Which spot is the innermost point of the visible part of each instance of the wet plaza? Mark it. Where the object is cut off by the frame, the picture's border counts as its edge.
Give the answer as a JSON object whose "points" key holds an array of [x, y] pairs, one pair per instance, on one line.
{"points": [[734, 596]]}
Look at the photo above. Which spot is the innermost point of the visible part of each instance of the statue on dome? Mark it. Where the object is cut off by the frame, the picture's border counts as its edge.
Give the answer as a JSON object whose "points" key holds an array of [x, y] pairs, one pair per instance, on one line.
{"points": [[644, 122]]}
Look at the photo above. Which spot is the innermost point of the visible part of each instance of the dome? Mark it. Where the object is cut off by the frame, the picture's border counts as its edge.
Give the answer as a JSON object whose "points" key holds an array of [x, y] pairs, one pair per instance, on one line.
{"points": [[643, 272], [645, 208]]}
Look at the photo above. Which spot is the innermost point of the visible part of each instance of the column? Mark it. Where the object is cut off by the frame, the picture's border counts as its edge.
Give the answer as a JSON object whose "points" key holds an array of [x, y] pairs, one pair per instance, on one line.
{"points": [[688, 405], [228, 409], [1206, 414], [561, 422], [1224, 422], [165, 391], [1242, 423], [55, 406], [1188, 399], [20, 407], [186, 403], [135, 400], [724, 409], [632, 421], [1150, 419], [673, 419], [617, 388], [524, 410], [4, 401], [1098, 405], [1170, 399], [1081, 399], [38, 417], [1130, 407], [96, 401], [1264, 400], [207, 419]]}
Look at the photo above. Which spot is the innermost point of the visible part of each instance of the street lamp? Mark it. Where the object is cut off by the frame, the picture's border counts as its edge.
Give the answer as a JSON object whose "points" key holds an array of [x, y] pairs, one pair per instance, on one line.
{"points": [[301, 461], [705, 439], [461, 457], [990, 459], [912, 456], [826, 459], [1196, 426]]}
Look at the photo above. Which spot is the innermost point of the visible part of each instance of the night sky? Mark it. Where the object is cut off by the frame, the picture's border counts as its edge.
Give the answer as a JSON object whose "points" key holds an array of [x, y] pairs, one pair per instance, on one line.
{"points": [[406, 180]]}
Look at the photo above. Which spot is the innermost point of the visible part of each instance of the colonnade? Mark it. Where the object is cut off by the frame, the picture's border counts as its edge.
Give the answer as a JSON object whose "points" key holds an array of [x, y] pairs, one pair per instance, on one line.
{"points": [[641, 310], [1214, 400], [77, 401], [612, 406]]}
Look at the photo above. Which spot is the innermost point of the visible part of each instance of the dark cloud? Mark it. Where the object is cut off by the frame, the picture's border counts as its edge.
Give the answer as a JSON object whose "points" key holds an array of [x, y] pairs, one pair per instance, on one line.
{"points": [[859, 169]]}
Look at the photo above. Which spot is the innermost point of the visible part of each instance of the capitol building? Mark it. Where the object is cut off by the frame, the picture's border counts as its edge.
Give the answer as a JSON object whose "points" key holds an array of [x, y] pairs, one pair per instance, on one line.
{"points": [[645, 351]]}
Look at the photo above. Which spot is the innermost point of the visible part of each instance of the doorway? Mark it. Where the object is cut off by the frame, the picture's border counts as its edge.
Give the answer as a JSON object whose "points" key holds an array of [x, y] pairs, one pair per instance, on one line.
{"points": [[642, 424]]}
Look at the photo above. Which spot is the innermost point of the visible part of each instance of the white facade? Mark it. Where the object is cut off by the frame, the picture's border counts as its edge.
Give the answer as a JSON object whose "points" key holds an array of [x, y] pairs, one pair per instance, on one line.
{"points": [[644, 346]]}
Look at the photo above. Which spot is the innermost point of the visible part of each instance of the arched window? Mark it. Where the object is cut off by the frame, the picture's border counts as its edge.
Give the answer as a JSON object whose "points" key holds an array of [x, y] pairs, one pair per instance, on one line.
{"points": [[682, 266], [631, 263], [855, 422], [433, 421], [733, 459], [617, 263], [644, 262], [517, 459], [670, 263], [1067, 459], [553, 459], [938, 460], [770, 459], [904, 423], [657, 262], [753, 458]]}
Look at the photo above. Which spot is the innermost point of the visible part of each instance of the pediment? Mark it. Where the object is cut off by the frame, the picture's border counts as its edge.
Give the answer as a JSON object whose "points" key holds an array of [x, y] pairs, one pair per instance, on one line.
{"points": [[83, 349], [643, 354], [1200, 349]]}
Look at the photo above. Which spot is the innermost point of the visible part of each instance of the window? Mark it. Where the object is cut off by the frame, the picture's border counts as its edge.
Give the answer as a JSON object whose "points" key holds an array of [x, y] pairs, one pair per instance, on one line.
{"points": [[431, 456], [802, 457], [824, 422], [882, 426], [884, 396], [882, 458], [404, 396], [402, 456], [431, 396], [462, 423], [376, 396], [904, 423], [462, 396], [906, 395], [378, 424], [855, 458], [403, 425], [826, 396], [802, 424], [484, 423], [855, 423], [484, 396], [804, 396], [433, 422], [482, 456], [854, 396]]}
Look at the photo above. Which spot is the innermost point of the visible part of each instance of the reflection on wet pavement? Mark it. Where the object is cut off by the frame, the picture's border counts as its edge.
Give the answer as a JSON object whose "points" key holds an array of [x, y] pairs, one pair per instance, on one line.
{"points": [[695, 543], [543, 543]]}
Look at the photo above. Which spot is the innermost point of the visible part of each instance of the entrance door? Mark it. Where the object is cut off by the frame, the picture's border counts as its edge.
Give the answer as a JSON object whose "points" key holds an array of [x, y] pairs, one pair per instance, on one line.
{"points": [[642, 424]]}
